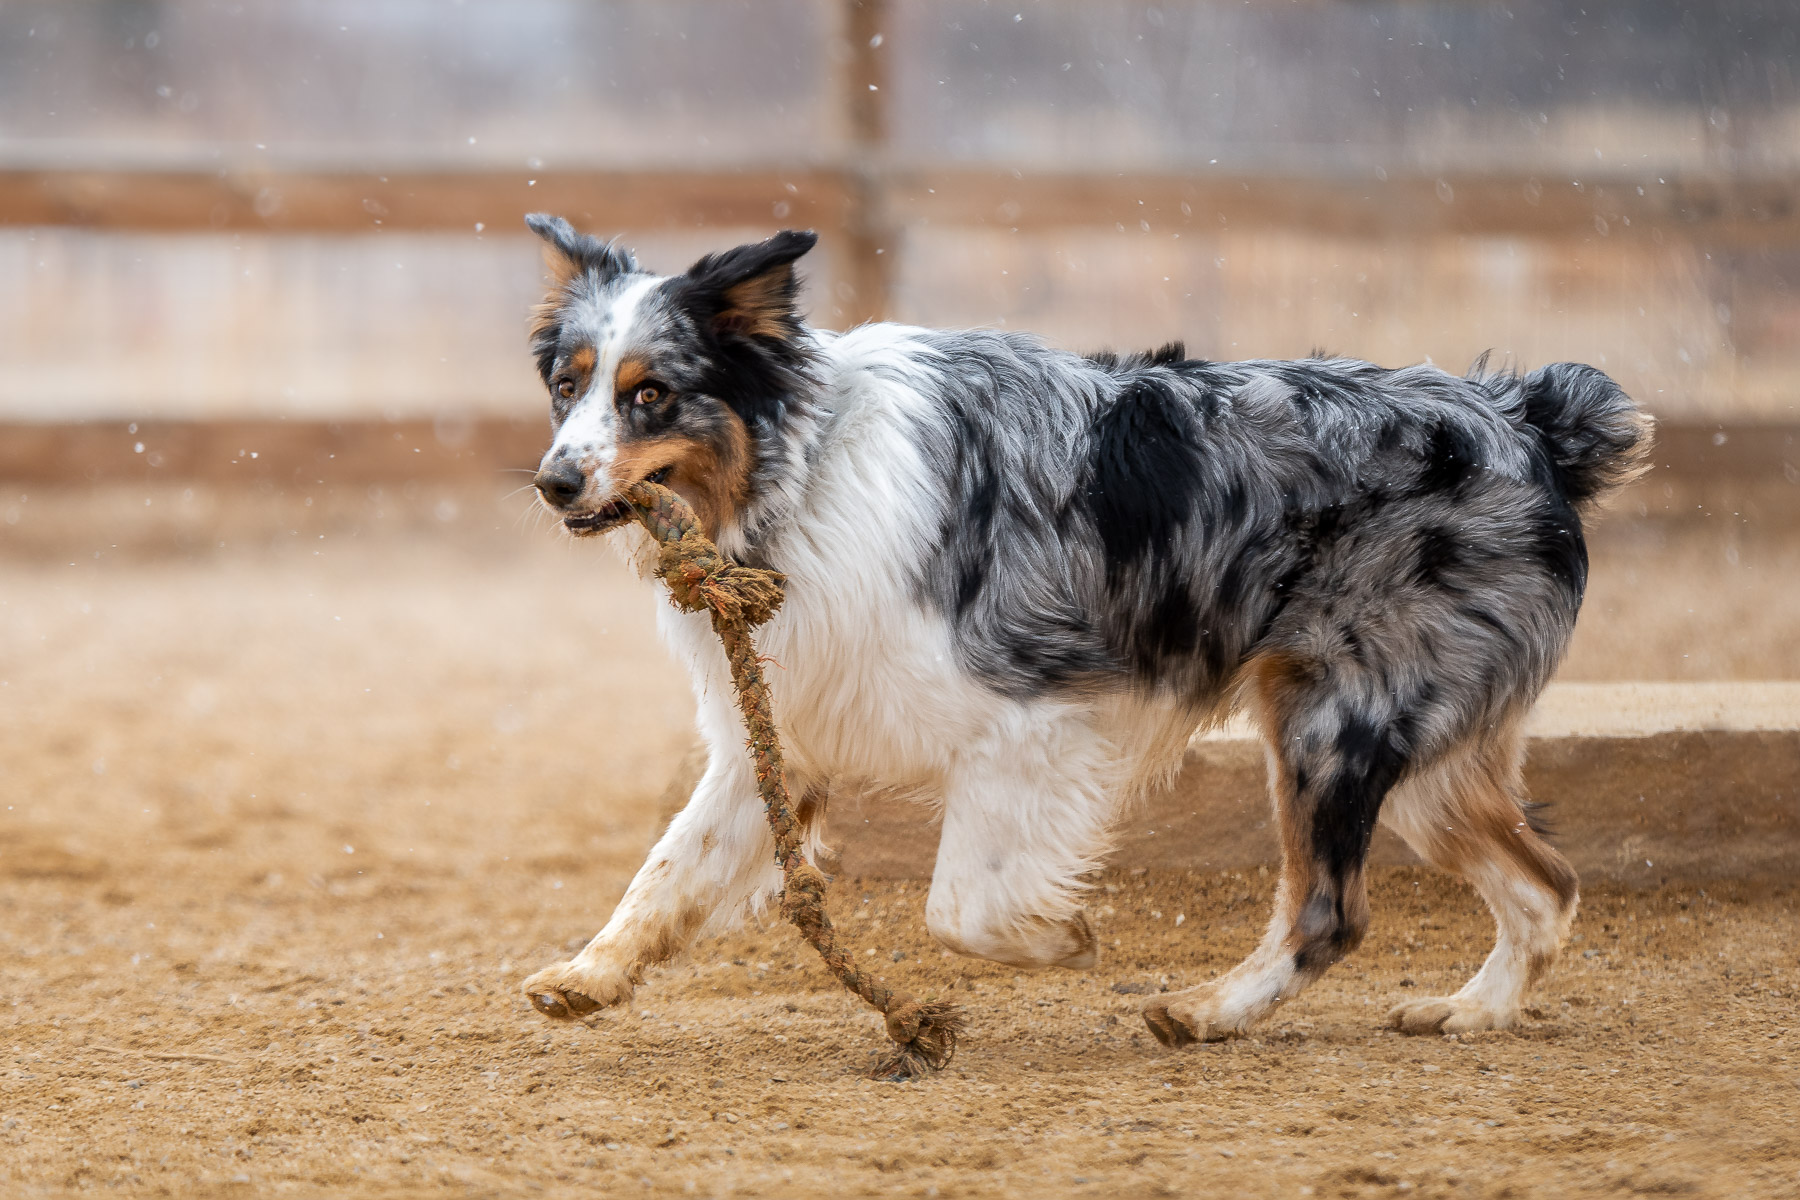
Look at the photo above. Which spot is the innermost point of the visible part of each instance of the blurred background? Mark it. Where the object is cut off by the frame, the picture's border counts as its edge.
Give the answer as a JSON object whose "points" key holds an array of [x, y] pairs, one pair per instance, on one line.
{"points": [[311, 210], [266, 414]]}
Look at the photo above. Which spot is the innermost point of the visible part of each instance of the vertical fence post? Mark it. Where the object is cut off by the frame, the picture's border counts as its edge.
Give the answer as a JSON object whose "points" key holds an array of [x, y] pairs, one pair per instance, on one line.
{"points": [[870, 244]]}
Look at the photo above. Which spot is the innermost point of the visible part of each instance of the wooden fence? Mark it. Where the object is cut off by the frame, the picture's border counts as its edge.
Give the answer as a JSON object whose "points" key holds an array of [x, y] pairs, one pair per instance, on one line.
{"points": [[1716, 247]]}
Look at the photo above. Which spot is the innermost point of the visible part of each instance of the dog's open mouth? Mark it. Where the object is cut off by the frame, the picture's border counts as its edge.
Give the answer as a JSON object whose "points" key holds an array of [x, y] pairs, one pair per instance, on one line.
{"points": [[610, 515]]}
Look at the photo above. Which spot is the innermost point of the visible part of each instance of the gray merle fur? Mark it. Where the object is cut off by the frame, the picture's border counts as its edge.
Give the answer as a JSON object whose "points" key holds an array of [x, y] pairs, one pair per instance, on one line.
{"points": [[1154, 522], [1408, 544]]}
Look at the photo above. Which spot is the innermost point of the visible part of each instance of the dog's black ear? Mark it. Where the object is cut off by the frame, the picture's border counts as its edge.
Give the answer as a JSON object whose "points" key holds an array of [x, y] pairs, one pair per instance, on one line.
{"points": [[569, 254], [750, 291]]}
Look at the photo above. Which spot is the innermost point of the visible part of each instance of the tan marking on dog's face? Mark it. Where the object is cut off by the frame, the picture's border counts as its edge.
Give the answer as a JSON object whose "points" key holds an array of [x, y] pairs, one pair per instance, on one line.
{"points": [[631, 374], [713, 477], [577, 370]]}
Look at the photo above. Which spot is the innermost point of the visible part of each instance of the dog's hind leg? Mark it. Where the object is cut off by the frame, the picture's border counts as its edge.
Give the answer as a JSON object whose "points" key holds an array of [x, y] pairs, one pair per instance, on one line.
{"points": [[714, 858], [1336, 745], [1465, 813], [1023, 822]]}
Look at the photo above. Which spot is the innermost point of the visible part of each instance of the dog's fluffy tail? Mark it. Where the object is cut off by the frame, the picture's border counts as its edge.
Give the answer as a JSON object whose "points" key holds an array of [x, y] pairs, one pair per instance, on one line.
{"points": [[1595, 436]]}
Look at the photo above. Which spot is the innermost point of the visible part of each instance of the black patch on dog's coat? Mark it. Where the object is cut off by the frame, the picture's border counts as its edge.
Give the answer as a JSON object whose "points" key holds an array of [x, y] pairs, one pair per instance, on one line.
{"points": [[1450, 456], [1143, 471], [1438, 557]]}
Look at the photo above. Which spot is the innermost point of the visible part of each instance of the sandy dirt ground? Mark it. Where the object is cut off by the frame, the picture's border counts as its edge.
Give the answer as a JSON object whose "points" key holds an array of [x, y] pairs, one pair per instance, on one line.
{"points": [[287, 820]]}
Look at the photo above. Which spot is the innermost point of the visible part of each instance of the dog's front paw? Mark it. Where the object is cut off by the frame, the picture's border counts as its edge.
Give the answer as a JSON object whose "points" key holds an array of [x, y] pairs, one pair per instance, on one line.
{"points": [[1198, 1014], [1445, 1014], [571, 990]]}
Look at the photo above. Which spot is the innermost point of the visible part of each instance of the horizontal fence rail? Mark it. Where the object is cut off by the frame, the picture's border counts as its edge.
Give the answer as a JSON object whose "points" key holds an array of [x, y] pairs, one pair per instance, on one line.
{"points": [[474, 450], [362, 200]]}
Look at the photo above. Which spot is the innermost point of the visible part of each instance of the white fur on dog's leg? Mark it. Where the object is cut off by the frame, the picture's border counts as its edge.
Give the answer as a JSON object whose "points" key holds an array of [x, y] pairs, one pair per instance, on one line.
{"points": [[716, 855], [1532, 926], [1528, 887], [1023, 821], [1230, 1006]]}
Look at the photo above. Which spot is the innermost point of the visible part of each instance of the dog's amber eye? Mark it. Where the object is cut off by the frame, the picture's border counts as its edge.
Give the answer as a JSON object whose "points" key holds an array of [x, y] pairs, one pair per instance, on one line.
{"points": [[648, 394], [566, 389]]}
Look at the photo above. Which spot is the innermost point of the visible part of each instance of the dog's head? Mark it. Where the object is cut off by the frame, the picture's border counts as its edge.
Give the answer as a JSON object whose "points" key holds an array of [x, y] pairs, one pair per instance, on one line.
{"points": [[675, 379]]}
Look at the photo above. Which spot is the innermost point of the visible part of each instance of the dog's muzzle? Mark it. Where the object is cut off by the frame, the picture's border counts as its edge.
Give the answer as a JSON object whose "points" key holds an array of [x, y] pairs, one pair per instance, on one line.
{"points": [[561, 484]]}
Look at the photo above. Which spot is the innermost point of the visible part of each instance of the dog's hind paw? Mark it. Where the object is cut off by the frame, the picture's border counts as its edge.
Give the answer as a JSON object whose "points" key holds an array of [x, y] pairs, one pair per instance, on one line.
{"points": [[1445, 1014], [1195, 1015], [568, 991], [1167, 1030]]}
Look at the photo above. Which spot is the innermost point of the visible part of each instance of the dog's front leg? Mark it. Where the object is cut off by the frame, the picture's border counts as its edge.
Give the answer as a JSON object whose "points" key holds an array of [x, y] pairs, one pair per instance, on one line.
{"points": [[716, 855]]}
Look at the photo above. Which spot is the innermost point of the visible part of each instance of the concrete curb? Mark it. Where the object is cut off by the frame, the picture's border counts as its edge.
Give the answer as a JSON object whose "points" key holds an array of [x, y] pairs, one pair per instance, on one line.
{"points": [[1647, 783]]}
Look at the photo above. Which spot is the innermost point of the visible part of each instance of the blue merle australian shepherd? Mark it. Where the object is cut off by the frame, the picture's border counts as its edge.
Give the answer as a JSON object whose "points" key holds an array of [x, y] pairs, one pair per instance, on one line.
{"points": [[1019, 580]]}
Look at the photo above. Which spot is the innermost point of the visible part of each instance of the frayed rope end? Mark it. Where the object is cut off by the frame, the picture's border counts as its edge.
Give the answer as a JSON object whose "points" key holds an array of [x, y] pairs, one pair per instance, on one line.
{"points": [[925, 1036]]}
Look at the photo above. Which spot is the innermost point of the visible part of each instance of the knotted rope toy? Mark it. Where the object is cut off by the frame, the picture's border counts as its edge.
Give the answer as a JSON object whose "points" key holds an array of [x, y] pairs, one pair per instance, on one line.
{"points": [[738, 598]]}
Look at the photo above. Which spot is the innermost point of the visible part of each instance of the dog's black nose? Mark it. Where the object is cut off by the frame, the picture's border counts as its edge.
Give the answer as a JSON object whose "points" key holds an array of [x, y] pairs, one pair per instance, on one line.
{"points": [[559, 483]]}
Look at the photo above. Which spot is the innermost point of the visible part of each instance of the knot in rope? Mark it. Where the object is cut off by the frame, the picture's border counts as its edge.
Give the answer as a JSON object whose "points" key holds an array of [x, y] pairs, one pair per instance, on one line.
{"points": [[802, 893]]}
